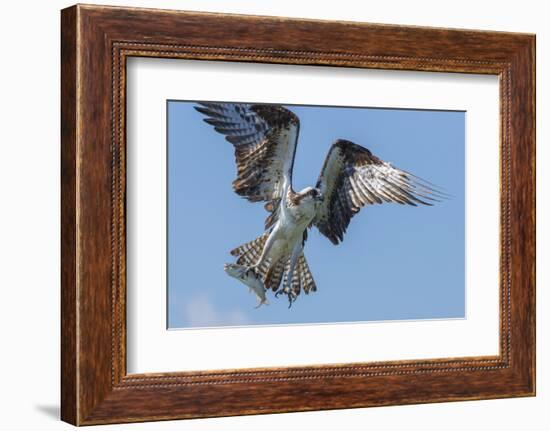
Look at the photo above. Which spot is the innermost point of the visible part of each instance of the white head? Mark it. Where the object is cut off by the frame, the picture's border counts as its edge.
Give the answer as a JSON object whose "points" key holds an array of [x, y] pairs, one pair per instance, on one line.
{"points": [[310, 194]]}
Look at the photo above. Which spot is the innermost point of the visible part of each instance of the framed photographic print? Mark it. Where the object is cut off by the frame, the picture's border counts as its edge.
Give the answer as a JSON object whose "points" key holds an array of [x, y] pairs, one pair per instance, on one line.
{"points": [[266, 215]]}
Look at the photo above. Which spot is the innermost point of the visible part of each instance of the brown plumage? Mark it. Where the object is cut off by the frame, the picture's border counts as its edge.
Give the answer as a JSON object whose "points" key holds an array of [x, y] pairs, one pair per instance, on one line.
{"points": [[261, 146], [353, 177]]}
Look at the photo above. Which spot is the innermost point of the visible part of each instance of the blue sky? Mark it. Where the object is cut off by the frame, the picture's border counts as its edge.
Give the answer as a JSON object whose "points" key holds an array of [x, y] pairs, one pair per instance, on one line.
{"points": [[396, 262]]}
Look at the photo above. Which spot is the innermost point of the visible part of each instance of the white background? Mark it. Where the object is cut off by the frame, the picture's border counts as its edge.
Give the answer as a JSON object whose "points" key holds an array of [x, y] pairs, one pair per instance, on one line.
{"points": [[29, 220]]}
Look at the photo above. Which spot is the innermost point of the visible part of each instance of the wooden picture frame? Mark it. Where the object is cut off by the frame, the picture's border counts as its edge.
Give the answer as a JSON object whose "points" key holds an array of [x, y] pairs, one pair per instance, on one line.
{"points": [[95, 43]]}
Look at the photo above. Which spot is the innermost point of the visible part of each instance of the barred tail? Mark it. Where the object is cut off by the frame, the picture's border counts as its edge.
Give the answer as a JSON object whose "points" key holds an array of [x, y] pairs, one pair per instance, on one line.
{"points": [[306, 278], [302, 280], [250, 252], [274, 275]]}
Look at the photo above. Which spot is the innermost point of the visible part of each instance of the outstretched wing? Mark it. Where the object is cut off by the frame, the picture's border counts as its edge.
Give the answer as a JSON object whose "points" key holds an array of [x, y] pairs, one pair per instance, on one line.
{"points": [[264, 137], [353, 177]]}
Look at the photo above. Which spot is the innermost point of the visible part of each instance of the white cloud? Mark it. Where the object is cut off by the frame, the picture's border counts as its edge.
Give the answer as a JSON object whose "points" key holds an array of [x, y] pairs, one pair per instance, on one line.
{"points": [[199, 311]]}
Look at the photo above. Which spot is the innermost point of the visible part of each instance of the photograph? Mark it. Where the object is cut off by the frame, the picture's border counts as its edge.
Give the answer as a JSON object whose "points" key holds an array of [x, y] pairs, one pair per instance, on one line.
{"points": [[333, 211], [261, 198]]}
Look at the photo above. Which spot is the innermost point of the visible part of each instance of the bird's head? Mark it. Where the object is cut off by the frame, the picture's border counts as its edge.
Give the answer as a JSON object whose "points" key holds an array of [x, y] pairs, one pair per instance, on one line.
{"points": [[311, 193]]}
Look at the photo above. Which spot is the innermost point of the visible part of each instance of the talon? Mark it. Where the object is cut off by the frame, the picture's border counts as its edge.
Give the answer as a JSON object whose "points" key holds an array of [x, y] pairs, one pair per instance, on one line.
{"points": [[291, 299]]}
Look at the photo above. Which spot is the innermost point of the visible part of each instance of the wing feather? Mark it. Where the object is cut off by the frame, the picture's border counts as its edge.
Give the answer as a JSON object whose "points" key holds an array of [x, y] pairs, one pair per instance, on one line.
{"points": [[353, 177], [264, 138]]}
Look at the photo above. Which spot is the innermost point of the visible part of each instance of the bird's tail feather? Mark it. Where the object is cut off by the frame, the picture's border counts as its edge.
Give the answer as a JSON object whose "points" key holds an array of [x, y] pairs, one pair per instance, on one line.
{"points": [[249, 253], [306, 278], [302, 279], [274, 275]]}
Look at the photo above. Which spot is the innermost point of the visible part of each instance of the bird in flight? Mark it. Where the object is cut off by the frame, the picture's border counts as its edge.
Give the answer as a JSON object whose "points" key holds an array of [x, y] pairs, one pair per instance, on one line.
{"points": [[265, 139]]}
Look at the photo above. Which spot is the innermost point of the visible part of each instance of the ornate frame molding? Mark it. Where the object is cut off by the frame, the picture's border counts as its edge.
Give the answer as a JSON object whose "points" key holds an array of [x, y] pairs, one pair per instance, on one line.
{"points": [[96, 41]]}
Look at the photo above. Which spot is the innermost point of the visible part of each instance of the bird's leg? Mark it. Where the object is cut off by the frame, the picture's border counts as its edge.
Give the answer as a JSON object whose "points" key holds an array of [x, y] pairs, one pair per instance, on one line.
{"points": [[267, 247], [287, 287]]}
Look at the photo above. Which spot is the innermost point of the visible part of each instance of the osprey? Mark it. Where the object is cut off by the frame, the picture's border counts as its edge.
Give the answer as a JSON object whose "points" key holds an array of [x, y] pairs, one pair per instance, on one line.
{"points": [[265, 139]]}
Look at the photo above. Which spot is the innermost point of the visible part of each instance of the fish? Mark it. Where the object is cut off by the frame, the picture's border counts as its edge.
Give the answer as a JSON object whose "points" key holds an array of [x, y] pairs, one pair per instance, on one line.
{"points": [[250, 279]]}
